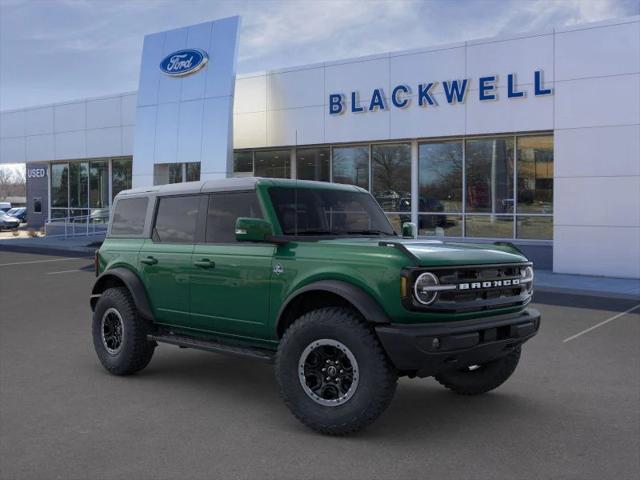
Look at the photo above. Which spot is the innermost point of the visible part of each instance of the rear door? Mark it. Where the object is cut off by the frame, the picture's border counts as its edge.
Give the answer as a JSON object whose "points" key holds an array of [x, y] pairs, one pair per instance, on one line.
{"points": [[165, 259], [231, 280]]}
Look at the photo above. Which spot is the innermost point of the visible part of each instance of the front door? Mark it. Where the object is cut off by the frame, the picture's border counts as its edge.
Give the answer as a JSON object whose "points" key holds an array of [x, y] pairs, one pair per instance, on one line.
{"points": [[165, 259], [230, 280]]}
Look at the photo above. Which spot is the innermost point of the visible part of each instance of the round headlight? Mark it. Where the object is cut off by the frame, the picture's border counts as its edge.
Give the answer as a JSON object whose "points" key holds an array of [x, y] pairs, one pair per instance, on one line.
{"points": [[423, 288], [527, 274]]}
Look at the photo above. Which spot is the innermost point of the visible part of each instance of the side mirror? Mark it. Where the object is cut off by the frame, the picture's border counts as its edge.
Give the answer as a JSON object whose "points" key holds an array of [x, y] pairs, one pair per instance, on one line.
{"points": [[409, 230], [253, 230]]}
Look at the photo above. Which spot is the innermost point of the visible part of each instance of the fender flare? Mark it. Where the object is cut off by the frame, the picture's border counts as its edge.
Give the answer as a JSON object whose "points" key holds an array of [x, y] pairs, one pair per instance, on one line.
{"points": [[133, 284], [368, 307]]}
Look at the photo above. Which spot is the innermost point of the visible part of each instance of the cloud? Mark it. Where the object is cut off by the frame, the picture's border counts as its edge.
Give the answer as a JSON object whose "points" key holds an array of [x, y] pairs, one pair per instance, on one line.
{"points": [[72, 49]]}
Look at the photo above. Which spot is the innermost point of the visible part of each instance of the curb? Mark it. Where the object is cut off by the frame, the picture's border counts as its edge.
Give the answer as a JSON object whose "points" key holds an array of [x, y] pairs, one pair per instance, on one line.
{"points": [[42, 250], [586, 293]]}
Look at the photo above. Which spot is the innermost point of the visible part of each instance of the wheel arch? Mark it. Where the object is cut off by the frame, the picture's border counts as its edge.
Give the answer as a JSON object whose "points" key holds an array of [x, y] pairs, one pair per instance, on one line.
{"points": [[329, 292], [123, 277]]}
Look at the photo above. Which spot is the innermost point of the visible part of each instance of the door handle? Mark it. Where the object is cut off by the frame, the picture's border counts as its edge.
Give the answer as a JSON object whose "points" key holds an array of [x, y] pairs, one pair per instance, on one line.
{"points": [[149, 260], [204, 263]]}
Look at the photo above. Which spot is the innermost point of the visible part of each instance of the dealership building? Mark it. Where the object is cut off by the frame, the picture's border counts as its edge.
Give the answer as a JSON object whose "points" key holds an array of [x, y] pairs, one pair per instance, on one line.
{"points": [[531, 138]]}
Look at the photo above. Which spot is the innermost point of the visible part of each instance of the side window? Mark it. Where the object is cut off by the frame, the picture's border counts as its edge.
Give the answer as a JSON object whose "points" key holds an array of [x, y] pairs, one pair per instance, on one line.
{"points": [[129, 215], [37, 205], [176, 219], [224, 209]]}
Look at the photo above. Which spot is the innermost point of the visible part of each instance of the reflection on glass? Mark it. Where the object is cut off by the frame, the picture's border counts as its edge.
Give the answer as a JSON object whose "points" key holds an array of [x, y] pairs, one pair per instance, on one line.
{"points": [[193, 172], [489, 226], [120, 175], [396, 220], [98, 184], [534, 227], [440, 225], [351, 165], [489, 173], [59, 213], [59, 185], [313, 164], [79, 184], [440, 177], [535, 174], [243, 162], [273, 164], [165, 173], [391, 171]]}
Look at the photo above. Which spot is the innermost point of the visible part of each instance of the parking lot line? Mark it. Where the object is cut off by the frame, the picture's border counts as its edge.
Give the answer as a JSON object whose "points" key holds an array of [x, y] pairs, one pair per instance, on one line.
{"points": [[42, 261], [611, 319], [66, 271]]}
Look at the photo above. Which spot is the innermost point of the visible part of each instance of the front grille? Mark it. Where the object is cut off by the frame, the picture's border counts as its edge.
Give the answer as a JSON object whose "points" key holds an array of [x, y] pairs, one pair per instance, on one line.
{"points": [[476, 288]]}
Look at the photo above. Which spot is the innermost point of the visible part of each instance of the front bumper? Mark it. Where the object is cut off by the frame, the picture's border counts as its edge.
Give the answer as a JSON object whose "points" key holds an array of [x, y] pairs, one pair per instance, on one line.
{"points": [[428, 349]]}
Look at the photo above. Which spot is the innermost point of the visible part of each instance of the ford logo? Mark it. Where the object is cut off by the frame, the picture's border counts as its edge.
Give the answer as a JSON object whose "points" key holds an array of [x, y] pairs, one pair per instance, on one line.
{"points": [[184, 62]]}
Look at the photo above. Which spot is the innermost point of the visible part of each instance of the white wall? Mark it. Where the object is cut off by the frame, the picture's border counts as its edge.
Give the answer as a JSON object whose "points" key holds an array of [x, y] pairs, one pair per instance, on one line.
{"points": [[98, 127]]}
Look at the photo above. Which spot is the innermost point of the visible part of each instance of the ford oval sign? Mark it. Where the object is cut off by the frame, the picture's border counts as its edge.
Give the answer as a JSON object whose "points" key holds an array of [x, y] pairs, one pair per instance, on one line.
{"points": [[184, 62]]}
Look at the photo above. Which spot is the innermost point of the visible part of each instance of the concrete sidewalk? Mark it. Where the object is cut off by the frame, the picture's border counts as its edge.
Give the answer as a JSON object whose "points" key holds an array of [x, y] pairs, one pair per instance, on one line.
{"points": [[70, 246]]}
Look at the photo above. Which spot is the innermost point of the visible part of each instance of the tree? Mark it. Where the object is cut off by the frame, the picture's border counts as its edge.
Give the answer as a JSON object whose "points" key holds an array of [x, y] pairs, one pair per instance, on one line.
{"points": [[12, 182]]}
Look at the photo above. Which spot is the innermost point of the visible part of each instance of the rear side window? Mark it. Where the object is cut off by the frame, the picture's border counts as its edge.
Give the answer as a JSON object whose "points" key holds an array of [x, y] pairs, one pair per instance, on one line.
{"points": [[224, 209], [176, 219], [129, 215]]}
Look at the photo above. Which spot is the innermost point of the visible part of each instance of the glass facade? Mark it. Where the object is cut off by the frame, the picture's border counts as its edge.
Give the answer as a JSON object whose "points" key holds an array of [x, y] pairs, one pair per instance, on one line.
{"points": [[480, 187], [272, 163], [121, 172]]}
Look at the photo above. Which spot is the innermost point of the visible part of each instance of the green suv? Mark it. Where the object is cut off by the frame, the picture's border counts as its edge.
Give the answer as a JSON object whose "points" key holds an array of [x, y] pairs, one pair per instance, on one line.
{"points": [[313, 277]]}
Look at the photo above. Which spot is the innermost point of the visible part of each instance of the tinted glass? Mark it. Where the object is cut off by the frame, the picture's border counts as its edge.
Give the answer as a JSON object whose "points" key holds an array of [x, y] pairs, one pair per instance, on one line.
{"points": [[534, 227], [351, 166], [60, 185], [129, 215], [303, 211], [79, 184], [176, 219], [535, 174], [37, 205], [440, 225], [193, 172], [224, 209], [165, 173], [391, 172], [120, 175], [489, 226], [98, 185], [313, 164], [243, 162], [273, 163], [440, 177], [490, 175]]}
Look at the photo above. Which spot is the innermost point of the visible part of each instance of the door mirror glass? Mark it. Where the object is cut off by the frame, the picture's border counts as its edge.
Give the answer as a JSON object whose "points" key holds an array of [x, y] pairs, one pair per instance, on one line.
{"points": [[409, 230], [253, 230]]}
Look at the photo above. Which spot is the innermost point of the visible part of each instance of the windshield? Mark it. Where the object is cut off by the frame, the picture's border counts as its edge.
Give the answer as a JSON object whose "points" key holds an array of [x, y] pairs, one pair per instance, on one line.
{"points": [[306, 211]]}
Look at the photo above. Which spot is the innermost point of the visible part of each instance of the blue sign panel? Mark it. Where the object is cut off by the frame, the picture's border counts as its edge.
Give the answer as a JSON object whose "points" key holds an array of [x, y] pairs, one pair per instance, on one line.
{"points": [[184, 62], [455, 91]]}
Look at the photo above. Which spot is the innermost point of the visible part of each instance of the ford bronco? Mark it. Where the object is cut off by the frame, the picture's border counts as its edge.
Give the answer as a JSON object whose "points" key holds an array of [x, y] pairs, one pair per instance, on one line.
{"points": [[313, 277]]}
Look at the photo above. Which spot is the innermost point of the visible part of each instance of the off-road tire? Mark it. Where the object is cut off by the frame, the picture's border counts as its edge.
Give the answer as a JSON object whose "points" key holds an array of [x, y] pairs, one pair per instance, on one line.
{"points": [[136, 351], [487, 377], [377, 376]]}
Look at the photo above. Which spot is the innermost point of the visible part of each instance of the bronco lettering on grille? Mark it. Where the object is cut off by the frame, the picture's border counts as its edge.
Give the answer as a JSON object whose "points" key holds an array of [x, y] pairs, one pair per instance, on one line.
{"points": [[489, 284]]}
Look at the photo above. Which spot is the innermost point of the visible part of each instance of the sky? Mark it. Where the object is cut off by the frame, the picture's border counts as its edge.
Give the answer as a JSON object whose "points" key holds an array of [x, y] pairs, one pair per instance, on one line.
{"points": [[59, 50]]}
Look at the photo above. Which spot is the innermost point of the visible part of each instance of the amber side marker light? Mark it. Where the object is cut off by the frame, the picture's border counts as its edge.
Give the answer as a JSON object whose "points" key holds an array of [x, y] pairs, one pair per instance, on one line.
{"points": [[403, 286]]}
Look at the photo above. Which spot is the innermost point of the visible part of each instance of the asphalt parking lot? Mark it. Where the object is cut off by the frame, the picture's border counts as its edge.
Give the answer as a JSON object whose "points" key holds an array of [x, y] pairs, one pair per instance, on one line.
{"points": [[571, 410]]}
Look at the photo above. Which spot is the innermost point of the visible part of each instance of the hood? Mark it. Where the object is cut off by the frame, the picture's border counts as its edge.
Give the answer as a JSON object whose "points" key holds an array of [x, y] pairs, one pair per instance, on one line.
{"points": [[434, 253]]}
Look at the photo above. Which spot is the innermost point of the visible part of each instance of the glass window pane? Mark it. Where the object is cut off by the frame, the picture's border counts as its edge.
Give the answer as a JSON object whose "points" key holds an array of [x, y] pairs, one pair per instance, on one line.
{"points": [[313, 164], [98, 185], [59, 185], [165, 173], [351, 165], [534, 227], [129, 215], [396, 220], [37, 205], [489, 226], [243, 162], [535, 174], [59, 213], [440, 177], [224, 210], [489, 173], [120, 175], [176, 219], [440, 225], [193, 172], [79, 184], [391, 172], [273, 164]]}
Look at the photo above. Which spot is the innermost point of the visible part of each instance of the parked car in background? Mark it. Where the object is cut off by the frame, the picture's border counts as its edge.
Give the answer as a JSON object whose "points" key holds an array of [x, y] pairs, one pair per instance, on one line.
{"points": [[20, 213], [5, 206], [7, 222]]}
